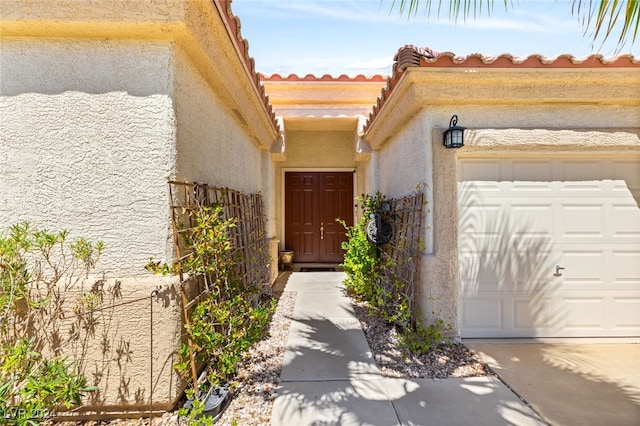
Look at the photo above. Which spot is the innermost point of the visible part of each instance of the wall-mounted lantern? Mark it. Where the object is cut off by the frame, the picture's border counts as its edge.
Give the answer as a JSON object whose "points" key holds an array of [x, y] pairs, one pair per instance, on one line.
{"points": [[454, 135]]}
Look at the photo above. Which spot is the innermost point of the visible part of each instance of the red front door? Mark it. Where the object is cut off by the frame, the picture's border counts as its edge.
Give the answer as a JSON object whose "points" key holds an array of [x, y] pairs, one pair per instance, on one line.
{"points": [[313, 201]]}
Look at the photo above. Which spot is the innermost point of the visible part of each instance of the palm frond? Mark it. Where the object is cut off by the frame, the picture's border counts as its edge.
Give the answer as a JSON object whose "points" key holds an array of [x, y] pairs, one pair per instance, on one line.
{"points": [[457, 8], [600, 19]]}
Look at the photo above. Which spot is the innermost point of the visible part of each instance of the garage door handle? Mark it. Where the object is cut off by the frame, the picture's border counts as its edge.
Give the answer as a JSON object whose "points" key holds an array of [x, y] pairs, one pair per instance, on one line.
{"points": [[558, 269]]}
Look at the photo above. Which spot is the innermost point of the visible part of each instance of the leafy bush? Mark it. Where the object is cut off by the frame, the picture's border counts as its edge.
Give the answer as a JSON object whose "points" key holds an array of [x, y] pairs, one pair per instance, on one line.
{"points": [[368, 280], [231, 316], [360, 263], [37, 267]]}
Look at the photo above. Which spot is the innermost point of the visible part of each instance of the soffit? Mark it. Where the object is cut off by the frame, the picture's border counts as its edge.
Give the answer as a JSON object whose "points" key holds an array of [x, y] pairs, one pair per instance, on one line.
{"points": [[347, 124], [295, 96]]}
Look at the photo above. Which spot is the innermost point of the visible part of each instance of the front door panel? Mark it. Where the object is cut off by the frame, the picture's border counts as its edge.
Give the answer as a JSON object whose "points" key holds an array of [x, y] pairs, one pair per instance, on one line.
{"points": [[313, 201]]}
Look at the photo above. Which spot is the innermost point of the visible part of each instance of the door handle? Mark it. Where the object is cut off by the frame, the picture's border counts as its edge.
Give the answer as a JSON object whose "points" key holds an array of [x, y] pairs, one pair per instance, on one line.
{"points": [[322, 231], [558, 269]]}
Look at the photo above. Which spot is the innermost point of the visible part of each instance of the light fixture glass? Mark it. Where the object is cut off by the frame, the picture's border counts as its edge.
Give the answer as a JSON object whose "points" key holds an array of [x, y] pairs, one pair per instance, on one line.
{"points": [[453, 137]]}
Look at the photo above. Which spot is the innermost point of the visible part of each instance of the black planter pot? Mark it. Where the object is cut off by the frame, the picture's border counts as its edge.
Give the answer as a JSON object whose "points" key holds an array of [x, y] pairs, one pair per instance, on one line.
{"points": [[215, 401]]}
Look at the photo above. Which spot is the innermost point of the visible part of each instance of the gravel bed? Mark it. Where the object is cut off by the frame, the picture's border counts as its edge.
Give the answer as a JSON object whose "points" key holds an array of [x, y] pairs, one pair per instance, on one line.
{"points": [[259, 374], [442, 361]]}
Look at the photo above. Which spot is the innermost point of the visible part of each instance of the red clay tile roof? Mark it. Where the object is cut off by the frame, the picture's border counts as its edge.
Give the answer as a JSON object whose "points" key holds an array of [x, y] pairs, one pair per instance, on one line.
{"points": [[476, 60], [242, 46], [326, 77], [412, 56]]}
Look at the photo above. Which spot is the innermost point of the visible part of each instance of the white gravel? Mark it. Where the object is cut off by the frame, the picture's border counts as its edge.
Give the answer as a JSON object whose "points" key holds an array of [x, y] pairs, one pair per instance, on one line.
{"points": [[259, 374], [442, 361]]}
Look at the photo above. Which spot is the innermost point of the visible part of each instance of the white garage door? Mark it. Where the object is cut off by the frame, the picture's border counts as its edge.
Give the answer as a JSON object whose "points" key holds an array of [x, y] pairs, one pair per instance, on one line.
{"points": [[549, 247]]}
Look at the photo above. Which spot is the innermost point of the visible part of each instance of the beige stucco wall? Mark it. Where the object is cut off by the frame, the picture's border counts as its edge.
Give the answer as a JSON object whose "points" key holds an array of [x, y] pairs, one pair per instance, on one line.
{"points": [[87, 143], [407, 169], [212, 146], [128, 350]]}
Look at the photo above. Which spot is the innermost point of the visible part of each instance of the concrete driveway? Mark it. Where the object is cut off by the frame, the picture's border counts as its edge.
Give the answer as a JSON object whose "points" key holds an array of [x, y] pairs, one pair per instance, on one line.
{"points": [[570, 383]]}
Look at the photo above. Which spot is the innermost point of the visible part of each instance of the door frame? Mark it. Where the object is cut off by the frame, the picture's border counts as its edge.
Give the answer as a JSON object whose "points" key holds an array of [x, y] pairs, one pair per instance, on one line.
{"points": [[284, 170]]}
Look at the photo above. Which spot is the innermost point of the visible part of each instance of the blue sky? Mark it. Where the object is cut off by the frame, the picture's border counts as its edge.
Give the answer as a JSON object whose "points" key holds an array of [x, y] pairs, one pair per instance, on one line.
{"points": [[361, 36]]}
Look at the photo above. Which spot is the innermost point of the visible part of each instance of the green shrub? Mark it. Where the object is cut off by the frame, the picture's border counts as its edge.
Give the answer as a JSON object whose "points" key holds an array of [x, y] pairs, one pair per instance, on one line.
{"points": [[230, 318], [368, 279], [360, 263], [37, 267]]}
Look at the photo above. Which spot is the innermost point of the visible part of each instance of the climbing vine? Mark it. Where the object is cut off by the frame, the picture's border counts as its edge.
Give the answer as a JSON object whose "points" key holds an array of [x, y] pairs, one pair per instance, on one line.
{"points": [[230, 315], [383, 276]]}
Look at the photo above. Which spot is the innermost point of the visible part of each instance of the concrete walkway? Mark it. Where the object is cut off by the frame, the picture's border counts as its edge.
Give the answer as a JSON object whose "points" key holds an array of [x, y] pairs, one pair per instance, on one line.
{"points": [[329, 376]]}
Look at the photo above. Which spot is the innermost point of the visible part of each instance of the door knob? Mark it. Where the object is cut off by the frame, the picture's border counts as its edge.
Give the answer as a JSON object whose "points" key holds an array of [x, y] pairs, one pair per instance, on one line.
{"points": [[558, 269]]}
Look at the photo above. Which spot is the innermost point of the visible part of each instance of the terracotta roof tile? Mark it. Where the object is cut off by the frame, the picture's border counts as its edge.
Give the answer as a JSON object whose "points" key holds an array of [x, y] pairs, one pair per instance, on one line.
{"points": [[448, 59], [412, 56], [242, 46], [326, 77]]}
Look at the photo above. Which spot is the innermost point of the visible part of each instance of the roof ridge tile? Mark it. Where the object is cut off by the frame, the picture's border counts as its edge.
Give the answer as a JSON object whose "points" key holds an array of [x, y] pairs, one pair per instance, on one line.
{"points": [[242, 44], [378, 78]]}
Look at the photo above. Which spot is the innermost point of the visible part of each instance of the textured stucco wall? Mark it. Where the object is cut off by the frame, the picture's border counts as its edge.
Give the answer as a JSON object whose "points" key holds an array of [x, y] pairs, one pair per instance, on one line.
{"points": [[405, 165], [212, 145], [406, 160], [128, 345], [322, 148], [438, 293], [91, 66], [87, 144], [407, 168], [105, 11], [542, 116]]}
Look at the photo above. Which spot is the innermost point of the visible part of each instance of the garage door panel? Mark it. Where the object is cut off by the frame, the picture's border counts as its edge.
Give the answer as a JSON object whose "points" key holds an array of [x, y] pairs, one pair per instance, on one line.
{"points": [[530, 314], [484, 313], [530, 170], [581, 314], [534, 219], [521, 187], [581, 170], [481, 269], [586, 220], [535, 214], [579, 188], [625, 312], [626, 221], [480, 220], [583, 267], [508, 269], [627, 171], [623, 188], [481, 170], [626, 267]]}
